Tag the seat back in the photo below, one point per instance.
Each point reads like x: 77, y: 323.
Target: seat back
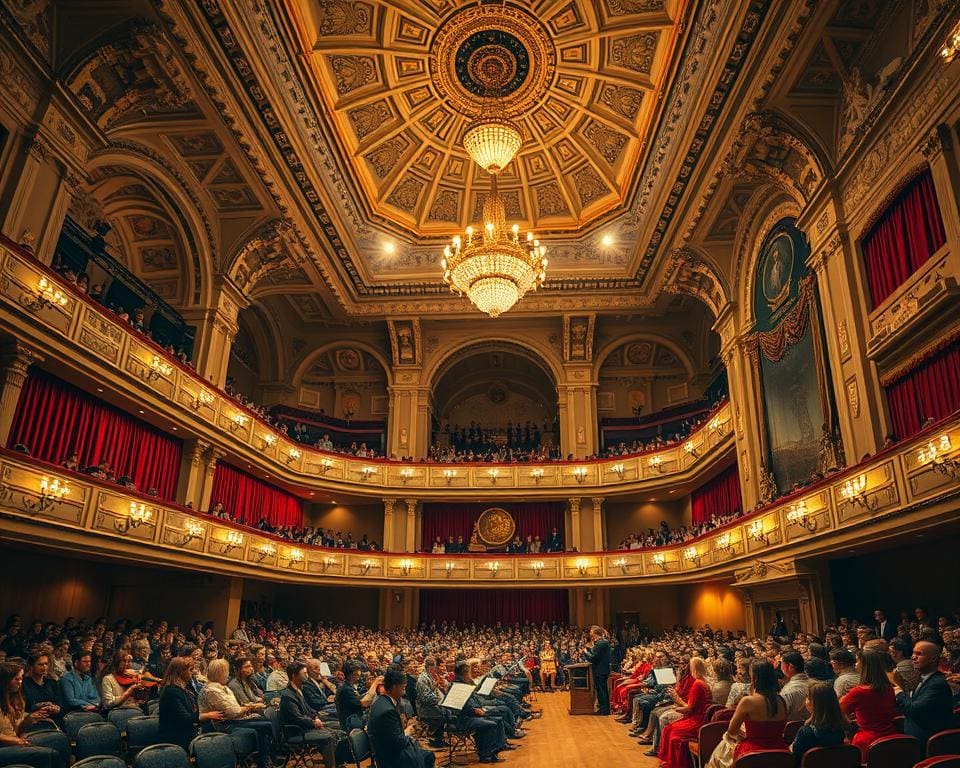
x: 723, y: 715
x: 940, y: 761
x: 121, y: 716
x: 153, y: 707
x: 162, y: 756
x: 74, y: 721
x: 213, y: 750
x: 142, y: 732
x: 101, y: 761
x: 898, y: 751
x: 766, y: 758
x: 708, y: 713
x: 839, y: 756
x: 98, y: 739
x: 898, y: 723
x: 711, y: 734
x: 359, y: 746
x: 55, y: 740
x: 944, y: 743
x: 791, y: 729
x: 273, y: 715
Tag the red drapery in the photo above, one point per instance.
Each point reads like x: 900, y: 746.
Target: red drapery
x: 720, y: 496
x: 533, y: 519
x: 908, y: 233
x: 247, y: 499
x: 54, y: 419
x: 488, y: 606
x: 931, y: 390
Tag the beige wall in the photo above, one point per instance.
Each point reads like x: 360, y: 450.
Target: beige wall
x: 717, y: 604
x: 359, y: 518
x: 624, y: 518
x: 341, y: 605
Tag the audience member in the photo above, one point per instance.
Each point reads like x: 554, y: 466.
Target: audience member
x: 871, y: 703
x: 824, y: 727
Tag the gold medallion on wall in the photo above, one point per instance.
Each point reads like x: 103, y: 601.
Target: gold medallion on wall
x: 496, y: 527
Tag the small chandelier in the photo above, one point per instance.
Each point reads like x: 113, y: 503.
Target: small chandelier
x: 492, y: 141
x: 494, y: 269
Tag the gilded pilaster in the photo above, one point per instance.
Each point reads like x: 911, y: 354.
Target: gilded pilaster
x: 192, y: 471
x: 574, y: 538
x: 15, y: 362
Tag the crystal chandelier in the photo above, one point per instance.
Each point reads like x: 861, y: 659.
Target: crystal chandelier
x: 494, y: 268
x: 492, y: 141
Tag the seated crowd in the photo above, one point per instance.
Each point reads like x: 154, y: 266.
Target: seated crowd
x: 308, y: 534
x: 858, y: 682
x: 322, y: 681
x: 665, y: 535
x: 532, y: 544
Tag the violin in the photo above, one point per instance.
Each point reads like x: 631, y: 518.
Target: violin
x: 132, y: 677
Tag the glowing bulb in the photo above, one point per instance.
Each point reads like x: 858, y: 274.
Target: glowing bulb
x: 515, y: 228
x: 607, y: 241
x: 389, y: 247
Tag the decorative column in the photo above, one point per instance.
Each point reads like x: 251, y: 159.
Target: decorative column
x: 387, y: 543
x: 598, y: 544
x: 410, y: 407
x: 411, y: 537
x: 573, y: 540
x: 190, y: 482
x: 216, y: 329
x: 206, y: 490
x: 941, y: 155
x: 15, y: 361
x: 578, y: 411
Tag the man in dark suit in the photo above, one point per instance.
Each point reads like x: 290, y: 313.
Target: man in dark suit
x: 488, y: 731
x: 351, y: 707
x: 598, y: 654
x: 884, y: 628
x: 929, y: 708
x: 294, y: 710
x: 393, y: 746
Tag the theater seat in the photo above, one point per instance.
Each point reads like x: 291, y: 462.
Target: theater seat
x: 839, y: 756
x: 898, y: 751
x: 944, y: 743
x: 940, y: 761
x: 766, y: 758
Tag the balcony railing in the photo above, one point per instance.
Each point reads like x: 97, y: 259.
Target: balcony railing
x: 58, y: 315
x: 904, y: 486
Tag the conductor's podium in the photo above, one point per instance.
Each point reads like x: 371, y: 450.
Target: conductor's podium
x: 581, y: 689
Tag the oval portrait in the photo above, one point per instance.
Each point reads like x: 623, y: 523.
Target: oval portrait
x: 777, y: 269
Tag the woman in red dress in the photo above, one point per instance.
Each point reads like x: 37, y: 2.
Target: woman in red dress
x: 872, y: 702
x: 763, y: 713
x: 677, y: 735
x: 632, y: 680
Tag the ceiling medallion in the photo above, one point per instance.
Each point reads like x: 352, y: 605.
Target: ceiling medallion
x: 492, y: 51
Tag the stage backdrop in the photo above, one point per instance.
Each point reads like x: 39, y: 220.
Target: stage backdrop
x: 534, y: 519
x: 488, y: 606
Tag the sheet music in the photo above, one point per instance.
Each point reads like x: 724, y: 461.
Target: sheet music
x: 487, y: 685
x: 665, y: 676
x: 457, y: 696
x: 324, y: 669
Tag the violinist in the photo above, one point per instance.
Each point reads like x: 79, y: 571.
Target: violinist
x: 432, y: 686
x: 350, y: 705
x: 123, y: 687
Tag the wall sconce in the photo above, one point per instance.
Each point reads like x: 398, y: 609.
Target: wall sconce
x: 691, y: 554
x: 157, y: 369
x: 580, y: 474
x: 690, y: 448
x: 717, y: 426
x: 264, y: 551
x: 51, y: 492
x: 269, y: 439
x: 292, y: 455
x: 724, y: 544
x: 952, y: 46
x: 537, y: 474
x: 137, y: 516
x: 854, y: 491
x: 202, y: 398
x: 47, y: 295
x: 660, y: 560
x: 367, y: 472
x: 448, y: 568
x: 797, y: 515
x: 365, y: 566
x: 449, y: 474
x: 327, y: 563
x: 621, y: 563
x: 618, y: 470
x: 657, y: 463
x: 582, y: 566
x: 406, y: 566
x: 238, y: 421
x: 325, y: 466
x: 935, y: 453
x: 756, y: 532
x: 192, y: 530
x: 494, y: 474
x: 296, y: 556
x: 405, y: 474
x: 494, y: 567
x: 537, y: 567
x: 233, y: 541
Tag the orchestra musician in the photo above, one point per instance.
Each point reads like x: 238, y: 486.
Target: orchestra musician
x: 432, y: 686
x: 123, y: 687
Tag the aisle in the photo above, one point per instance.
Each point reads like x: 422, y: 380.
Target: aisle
x: 558, y: 740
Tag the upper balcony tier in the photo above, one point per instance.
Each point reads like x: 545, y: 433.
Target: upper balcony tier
x: 39, y: 307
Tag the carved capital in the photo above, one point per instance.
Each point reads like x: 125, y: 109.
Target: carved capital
x: 411, y: 507
x: 200, y: 447
x: 388, y: 505
x: 934, y: 144
x: 38, y: 150
x: 574, y: 505
x: 15, y: 361
x: 597, y: 504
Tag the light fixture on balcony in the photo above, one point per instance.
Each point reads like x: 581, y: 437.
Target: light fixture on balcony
x: 618, y: 470
x: 448, y: 568
x: 952, y: 45
x: 854, y: 491
x: 192, y: 530
x: 537, y: 474
x: 292, y: 455
x: 449, y: 474
x: 202, y: 398
x: 157, y: 369
x: 239, y: 421
x: 657, y: 463
x: 494, y: 567
x: 264, y: 551
x: 405, y: 474
x: 296, y: 556
x: 690, y: 554
x: 580, y: 474
x: 690, y: 448
x: 724, y: 543
x: 717, y: 426
x: 797, y: 515
x: 47, y: 295
x: 537, y: 567
x: 367, y: 472
x: 756, y: 532
x: 583, y: 565
x: 660, y: 560
x: 327, y: 563
x: 494, y: 474
x: 935, y: 454
x: 269, y: 439
x: 51, y: 492
x: 365, y: 566
x: 325, y: 466
x: 137, y: 515
x: 621, y: 563
x: 406, y: 566
x: 234, y: 540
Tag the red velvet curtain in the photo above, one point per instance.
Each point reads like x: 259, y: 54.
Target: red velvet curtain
x: 488, y: 606
x: 931, y: 390
x: 720, y: 496
x: 54, y: 419
x: 908, y: 233
x: 533, y: 519
x: 247, y: 499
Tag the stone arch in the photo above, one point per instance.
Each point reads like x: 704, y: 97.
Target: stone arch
x: 314, y: 355
x: 691, y: 272
x: 612, y: 346
x: 444, y: 356
x: 270, y: 260
x: 264, y: 333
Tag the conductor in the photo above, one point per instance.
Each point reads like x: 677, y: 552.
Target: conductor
x: 598, y: 654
